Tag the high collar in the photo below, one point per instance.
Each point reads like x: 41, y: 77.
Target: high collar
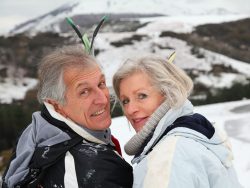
x: 155, y: 126
x: 101, y: 137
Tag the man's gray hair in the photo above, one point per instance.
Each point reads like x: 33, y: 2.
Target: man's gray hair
x: 52, y: 67
x: 167, y: 78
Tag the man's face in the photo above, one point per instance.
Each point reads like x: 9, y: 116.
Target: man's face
x: 87, y: 98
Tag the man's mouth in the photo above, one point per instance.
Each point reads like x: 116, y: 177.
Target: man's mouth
x: 98, y: 112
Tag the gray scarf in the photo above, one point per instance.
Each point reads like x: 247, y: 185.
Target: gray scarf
x: 135, y: 143
x: 156, y: 125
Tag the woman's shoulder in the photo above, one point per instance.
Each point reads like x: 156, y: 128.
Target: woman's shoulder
x: 181, y: 145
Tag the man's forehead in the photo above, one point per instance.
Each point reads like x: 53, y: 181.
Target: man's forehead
x: 90, y: 72
x: 83, y: 70
x: 83, y: 75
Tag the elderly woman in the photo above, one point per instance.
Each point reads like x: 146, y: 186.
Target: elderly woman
x: 173, y: 146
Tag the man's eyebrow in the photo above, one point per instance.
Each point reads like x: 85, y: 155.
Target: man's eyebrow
x: 102, y: 76
x: 81, y: 84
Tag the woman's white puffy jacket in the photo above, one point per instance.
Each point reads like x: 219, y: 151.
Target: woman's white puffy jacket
x: 192, y: 155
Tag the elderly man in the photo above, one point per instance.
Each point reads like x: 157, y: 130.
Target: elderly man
x: 68, y: 143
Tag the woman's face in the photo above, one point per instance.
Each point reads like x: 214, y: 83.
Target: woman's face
x: 139, y: 99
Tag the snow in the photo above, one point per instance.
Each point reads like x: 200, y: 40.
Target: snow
x: 183, y: 14
x: 185, y: 23
x: 224, y: 80
x: 176, y: 7
x: 43, y: 25
x: 15, y: 88
x: 232, y: 117
x: 112, y: 57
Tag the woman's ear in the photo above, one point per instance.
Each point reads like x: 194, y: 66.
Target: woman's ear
x: 57, y: 106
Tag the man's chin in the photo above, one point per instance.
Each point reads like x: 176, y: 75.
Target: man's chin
x: 104, y: 124
x: 108, y: 123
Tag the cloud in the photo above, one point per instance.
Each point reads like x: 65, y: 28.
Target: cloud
x: 9, y: 22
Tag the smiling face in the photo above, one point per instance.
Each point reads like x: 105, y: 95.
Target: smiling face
x: 139, y: 99
x: 87, y: 98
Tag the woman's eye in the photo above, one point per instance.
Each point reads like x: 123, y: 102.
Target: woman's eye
x: 142, y: 96
x: 125, y: 101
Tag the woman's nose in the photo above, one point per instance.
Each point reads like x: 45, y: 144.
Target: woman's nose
x: 131, y: 108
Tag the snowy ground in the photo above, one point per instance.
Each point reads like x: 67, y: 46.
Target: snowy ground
x: 233, y: 117
x: 15, y: 88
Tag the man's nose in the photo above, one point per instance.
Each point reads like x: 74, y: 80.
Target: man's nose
x: 101, y: 97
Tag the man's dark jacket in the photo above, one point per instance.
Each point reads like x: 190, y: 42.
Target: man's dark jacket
x: 49, y: 153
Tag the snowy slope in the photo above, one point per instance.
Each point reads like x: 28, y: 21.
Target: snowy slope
x: 183, y: 16
x: 15, y: 88
x: 111, y: 57
x: 233, y: 117
x: 50, y: 20
x: 177, y: 7
x: 184, y: 58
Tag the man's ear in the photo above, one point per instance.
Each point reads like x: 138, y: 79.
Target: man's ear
x: 57, y: 106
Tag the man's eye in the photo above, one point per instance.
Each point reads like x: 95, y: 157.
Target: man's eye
x: 125, y: 101
x: 142, y: 96
x: 102, y: 85
x: 84, y: 92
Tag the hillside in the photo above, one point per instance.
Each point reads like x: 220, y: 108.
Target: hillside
x: 20, y: 54
x: 230, y: 38
x: 52, y: 18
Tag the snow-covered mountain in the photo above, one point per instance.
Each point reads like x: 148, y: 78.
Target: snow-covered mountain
x: 52, y: 20
x: 110, y: 57
x: 180, y: 16
x: 152, y: 43
x: 148, y: 39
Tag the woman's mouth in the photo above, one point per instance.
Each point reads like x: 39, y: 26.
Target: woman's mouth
x: 139, y: 121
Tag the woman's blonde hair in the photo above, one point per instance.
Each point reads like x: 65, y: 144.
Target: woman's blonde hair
x: 172, y: 81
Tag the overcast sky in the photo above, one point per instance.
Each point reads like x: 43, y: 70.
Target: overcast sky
x: 14, y: 12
